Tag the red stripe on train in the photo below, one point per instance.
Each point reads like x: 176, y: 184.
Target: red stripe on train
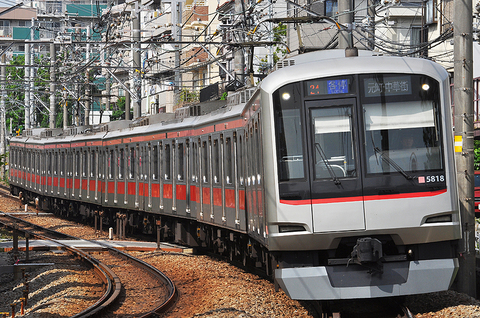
x: 366, y: 198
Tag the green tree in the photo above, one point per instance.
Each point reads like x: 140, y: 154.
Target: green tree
x: 15, y: 114
x: 477, y: 154
x: 119, y: 110
x: 279, y: 35
x: 16, y: 85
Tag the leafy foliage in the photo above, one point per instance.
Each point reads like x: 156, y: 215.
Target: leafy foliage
x: 3, y: 165
x: 119, y: 110
x: 279, y: 34
x: 16, y: 86
x: 477, y: 155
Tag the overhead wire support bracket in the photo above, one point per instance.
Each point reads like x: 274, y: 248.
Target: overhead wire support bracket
x: 75, y: 96
x: 134, y: 95
x: 41, y: 102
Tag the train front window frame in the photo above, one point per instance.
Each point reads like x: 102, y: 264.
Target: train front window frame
x: 333, y: 142
x: 401, y: 134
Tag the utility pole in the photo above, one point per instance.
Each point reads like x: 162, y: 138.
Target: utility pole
x: 3, y: 122
x: 345, y: 17
x: 239, y: 57
x: 464, y: 152
x: 65, y: 107
x: 127, y: 102
x: 87, y: 80
x: 137, y: 62
x: 176, y: 7
x: 33, y: 116
x: 371, y: 24
x: 52, y: 85
x: 108, y: 84
x: 27, y: 85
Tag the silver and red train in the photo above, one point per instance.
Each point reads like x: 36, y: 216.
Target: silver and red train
x: 336, y: 175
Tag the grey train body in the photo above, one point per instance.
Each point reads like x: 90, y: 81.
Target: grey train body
x: 336, y: 175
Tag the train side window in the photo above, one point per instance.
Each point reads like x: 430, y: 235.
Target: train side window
x: 62, y: 164
x: 77, y: 163
x: 131, y: 163
x: 194, y: 158
x: 240, y: 160
x: 205, y: 165
x: 168, y: 163
x: 121, y: 163
x: 33, y: 163
x: 93, y: 157
x: 111, y: 161
x: 55, y: 164
x: 160, y: 160
x: 257, y: 153
x: 180, y: 165
x: 49, y: 163
x: 216, y: 161
x: 69, y: 164
x: 155, y: 163
x: 100, y: 164
x: 228, y: 160
x: 144, y: 162
x: 85, y: 164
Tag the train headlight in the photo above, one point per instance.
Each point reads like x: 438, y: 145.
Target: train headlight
x: 410, y: 254
x: 286, y: 96
x: 425, y: 87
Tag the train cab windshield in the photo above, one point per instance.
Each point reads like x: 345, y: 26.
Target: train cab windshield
x: 341, y: 136
x: 401, y: 124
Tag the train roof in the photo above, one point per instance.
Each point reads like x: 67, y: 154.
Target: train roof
x: 186, y: 123
x: 334, y: 63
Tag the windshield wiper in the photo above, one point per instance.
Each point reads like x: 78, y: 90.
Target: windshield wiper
x: 327, y: 164
x: 392, y: 163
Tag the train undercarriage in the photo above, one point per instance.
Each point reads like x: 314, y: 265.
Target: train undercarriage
x: 236, y: 247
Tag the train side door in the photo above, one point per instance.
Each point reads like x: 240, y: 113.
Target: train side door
x: 336, y: 185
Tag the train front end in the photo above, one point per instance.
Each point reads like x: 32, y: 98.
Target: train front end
x: 361, y: 197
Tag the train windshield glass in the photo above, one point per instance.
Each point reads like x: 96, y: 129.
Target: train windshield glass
x: 401, y: 128
x: 334, y: 157
x: 288, y: 125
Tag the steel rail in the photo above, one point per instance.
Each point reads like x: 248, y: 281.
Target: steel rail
x: 109, y: 277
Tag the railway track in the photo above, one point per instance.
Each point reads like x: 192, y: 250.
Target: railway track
x: 132, y: 287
